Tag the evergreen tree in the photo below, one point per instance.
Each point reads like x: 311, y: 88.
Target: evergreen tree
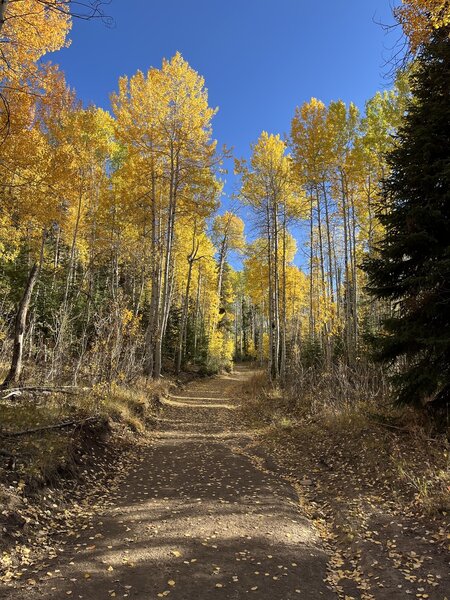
x: 412, y: 267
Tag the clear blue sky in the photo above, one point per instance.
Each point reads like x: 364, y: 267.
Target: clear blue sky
x: 260, y: 58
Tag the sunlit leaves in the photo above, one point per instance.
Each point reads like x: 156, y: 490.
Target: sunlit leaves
x: 419, y: 18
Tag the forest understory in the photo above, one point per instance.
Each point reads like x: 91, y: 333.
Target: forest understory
x: 375, y: 481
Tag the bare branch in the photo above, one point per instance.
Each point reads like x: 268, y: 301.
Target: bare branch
x: 64, y: 425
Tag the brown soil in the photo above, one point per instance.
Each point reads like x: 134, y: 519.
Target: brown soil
x: 387, y: 540
x: 194, y: 518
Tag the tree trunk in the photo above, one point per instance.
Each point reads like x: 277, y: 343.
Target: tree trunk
x: 284, y: 302
x: 184, y: 315
x: 329, y: 244
x: 311, y: 268
x: 197, y: 314
x: 276, y: 298
x: 222, y: 259
x: 156, y: 270
x: 21, y: 321
x: 166, y: 287
x: 347, y: 283
x: 270, y: 305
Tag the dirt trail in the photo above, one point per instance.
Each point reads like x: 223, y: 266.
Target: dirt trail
x: 194, y: 520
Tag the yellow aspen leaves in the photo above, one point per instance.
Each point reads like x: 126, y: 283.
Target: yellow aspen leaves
x: 419, y: 18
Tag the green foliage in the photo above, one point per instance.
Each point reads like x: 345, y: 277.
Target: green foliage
x: 312, y: 354
x: 412, y: 269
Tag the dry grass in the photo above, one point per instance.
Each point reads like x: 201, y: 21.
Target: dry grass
x: 42, y: 457
x: 355, y: 426
x: 374, y: 479
x: 39, y: 457
x: 135, y: 407
x: 263, y: 403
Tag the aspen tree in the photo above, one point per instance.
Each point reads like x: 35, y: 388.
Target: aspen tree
x: 164, y: 118
x: 267, y: 187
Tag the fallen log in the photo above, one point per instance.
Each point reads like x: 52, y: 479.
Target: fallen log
x: 43, y: 389
x: 63, y: 425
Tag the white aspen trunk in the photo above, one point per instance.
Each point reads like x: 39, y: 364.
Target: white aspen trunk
x: 311, y: 270
x: 156, y: 270
x: 261, y: 336
x: 270, y: 305
x: 325, y: 328
x: 276, y: 299
x: 354, y: 276
x: 284, y: 328
x: 329, y: 246
x: 197, y: 314
x: 165, y: 300
x: 20, y: 325
x: 347, y: 285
